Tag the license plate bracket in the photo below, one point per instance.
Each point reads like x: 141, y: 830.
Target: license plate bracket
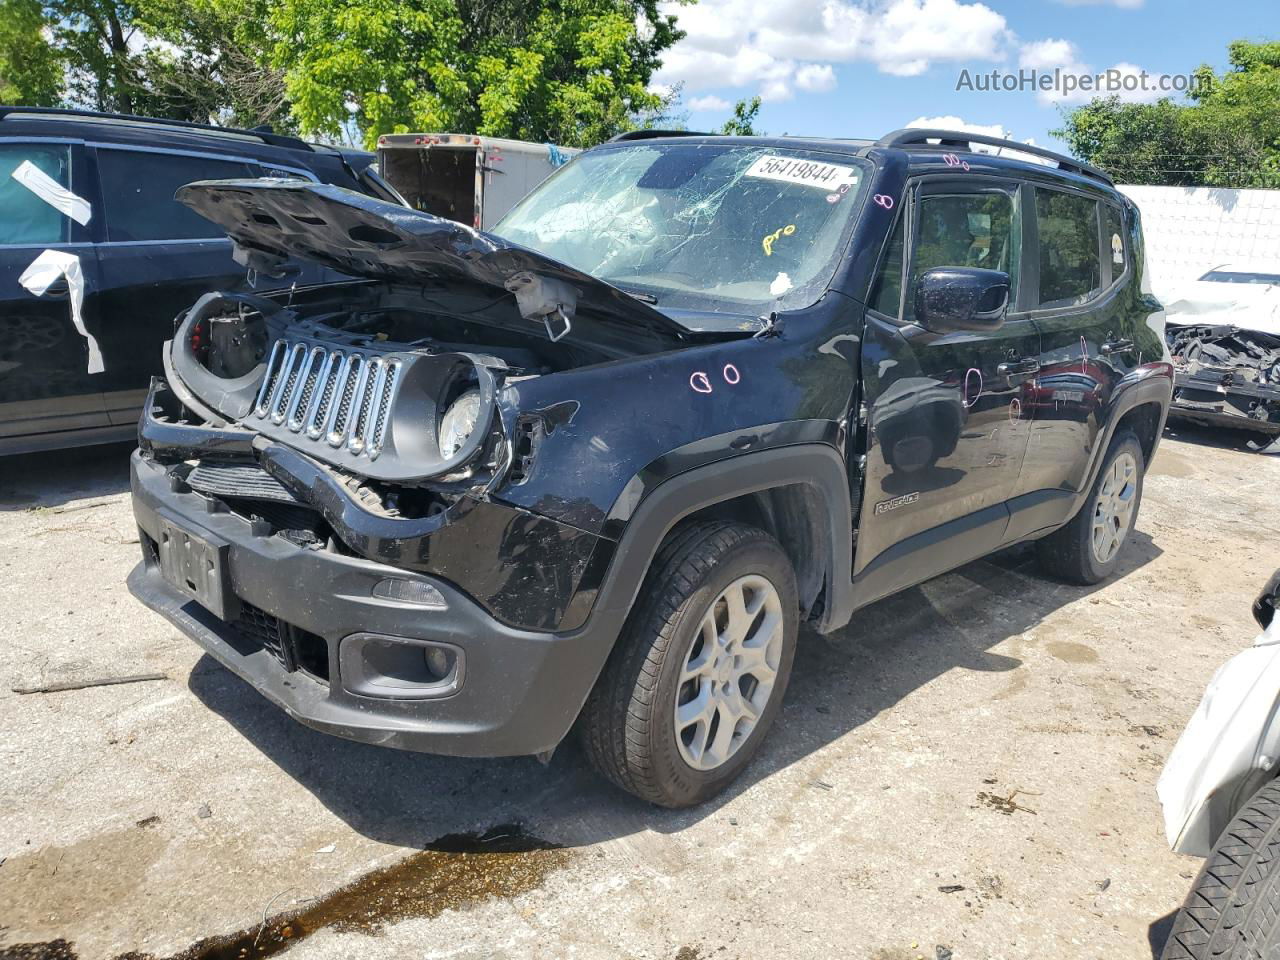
x: 197, y: 565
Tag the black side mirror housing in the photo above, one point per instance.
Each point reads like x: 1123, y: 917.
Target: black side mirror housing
x: 1264, y: 608
x: 949, y: 299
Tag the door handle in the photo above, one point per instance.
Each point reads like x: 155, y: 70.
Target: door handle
x: 1116, y: 346
x: 1016, y: 367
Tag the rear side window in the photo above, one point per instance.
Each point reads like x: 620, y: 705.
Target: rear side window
x: 138, y: 188
x: 24, y: 217
x: 1070, y: 270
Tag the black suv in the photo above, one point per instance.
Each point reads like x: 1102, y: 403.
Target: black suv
x: 96, y: 191
x: 597, y: 466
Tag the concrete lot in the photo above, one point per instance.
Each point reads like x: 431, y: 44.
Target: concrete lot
x: 970, y: 764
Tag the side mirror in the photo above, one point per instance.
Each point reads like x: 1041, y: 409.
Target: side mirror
x: 962, y: 298
x: 1264, y: 608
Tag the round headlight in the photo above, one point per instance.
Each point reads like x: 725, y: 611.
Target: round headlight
x: 458, y: 423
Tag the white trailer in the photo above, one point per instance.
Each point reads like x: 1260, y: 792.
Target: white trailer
x: 463, y: 177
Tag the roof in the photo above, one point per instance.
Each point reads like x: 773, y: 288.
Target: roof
x: 921, y: 145
x: 156, y: 131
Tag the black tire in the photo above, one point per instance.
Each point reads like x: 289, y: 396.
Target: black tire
x: 628, y: 725
x: 1233, y: 909
x: 1068, y: 553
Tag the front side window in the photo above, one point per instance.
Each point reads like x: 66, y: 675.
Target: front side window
x: 25, y: 218
x: 951, y: 230
x: 1070, y: 271
x: 697, y: 226
x: 138, y: 189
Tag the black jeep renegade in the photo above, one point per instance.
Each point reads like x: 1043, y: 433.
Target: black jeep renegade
x: 597, y: 466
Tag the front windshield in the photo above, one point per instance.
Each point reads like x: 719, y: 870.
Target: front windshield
x: 733, y: 229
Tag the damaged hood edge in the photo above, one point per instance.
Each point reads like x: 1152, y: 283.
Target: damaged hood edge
x: 272, y: 221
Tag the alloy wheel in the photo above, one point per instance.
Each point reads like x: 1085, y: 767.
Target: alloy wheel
x: 729, y: 673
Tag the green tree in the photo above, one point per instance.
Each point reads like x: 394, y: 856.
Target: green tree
x: 742, y: 123
x: 1227, y: 135
x: 570, y: 71
x: 30, y: 71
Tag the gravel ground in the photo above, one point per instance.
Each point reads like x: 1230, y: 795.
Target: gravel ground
x: 969, y: 765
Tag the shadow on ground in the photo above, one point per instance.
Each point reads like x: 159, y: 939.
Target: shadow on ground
x: 37, y: 480
x: 1158, y: 933
x: 1223, y: 438
x: 839, y: 682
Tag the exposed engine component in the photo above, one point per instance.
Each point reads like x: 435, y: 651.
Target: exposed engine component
x: 1248, y: 356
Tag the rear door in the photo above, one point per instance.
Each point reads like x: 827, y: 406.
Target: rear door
x: 45, y: 383
x: 947, y: 431
x: 1078, y: 262
x: 157, y: 257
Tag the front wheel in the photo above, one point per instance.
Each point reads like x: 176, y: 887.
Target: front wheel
x: 1087, y: 549
x: 697, y: 676
x: 1233, y: 909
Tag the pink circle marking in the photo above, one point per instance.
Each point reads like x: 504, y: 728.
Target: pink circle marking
x: 968, y: 376
x: 884, y: 200
x: 700, y: 382
x: 725, y: 373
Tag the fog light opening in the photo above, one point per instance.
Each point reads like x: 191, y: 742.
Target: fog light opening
x: 410, y: 591
x: 440, y: 662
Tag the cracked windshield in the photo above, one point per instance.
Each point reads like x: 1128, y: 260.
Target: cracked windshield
x: 696, y: 226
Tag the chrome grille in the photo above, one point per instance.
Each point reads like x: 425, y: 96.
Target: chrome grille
x: 343, y: 396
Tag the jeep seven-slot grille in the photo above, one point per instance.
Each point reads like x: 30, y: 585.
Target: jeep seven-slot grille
x: 341, y: 396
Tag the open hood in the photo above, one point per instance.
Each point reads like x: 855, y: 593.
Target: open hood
x: 1247, y: 306
x: 272, y: 221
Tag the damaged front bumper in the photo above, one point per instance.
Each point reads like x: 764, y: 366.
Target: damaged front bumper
x: 1227, y: 377
x: 340, y: 629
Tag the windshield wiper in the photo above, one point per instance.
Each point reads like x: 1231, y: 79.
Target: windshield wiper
x: 637, y: 295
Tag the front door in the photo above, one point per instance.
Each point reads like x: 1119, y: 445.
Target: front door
x: 45, y: 381
x: 946, y: 425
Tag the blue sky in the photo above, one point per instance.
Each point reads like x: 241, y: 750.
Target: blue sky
x: 860, y: 68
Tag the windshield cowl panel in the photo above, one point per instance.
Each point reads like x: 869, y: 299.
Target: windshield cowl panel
x: 705, y: 228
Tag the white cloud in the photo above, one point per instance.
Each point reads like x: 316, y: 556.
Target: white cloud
x: 1049, y: 55
x: 776, y: 46
x: 816, y: 77
x: 709, y: 103
x: 962, y: 126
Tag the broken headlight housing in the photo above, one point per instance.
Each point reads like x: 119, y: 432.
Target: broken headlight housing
x: 458, y: 423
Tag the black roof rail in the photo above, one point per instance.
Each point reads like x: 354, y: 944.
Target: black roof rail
x: 258, y: 133
x: 957, y: 139
x: 651, y: 134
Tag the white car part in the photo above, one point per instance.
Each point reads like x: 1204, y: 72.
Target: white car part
x: 1230, y: 747
x: 1243, y: 305
x: 43, y: 272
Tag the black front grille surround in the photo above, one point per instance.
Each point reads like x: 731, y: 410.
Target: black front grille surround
x: 329, y: 393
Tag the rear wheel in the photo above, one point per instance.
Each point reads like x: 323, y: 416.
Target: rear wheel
x: 1233, y: 909
x: 695, y: 680
x: 1087, y: 549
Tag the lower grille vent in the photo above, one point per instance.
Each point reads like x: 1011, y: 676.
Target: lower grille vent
x: 295, y: 649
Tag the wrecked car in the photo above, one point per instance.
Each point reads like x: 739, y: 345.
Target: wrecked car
x: 96, y: 258
x: 593, y: 469
x: 1224, y: 338
x: 1221, y: 801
